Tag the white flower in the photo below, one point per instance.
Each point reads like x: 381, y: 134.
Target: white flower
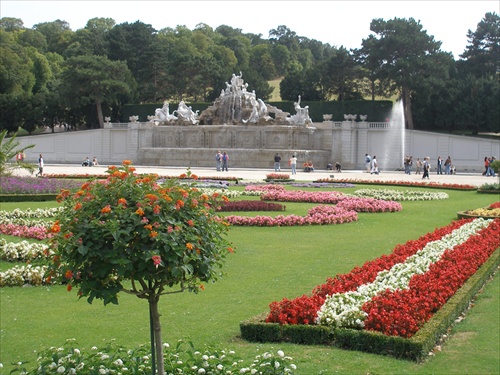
x: 94, y: 348
x: 76, y: 351
x: 104, y: 357
x: 118, y: 362
x: 166, y: 345
x: 201, y: 371
x: 61, y: 369
x: 204, y: 357
x: 219, y: 366
x: 281, y: 353
x: 276, y: 364
x: 293, y: 367
x: 103, y: 371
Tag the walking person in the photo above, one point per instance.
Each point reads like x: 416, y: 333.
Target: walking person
x: 218, y: 160
x: 368, y: 160
x: 426, y: 168
x: 419, y: 166
x: 277, y: 165
x: 40, y: 166
x: 293, y: 163
x: 225, y: 158
x: 486, y: 165
x: 374, y: 165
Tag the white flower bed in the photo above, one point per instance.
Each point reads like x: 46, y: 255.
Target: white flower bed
x: 400, y: 195
x: 23, y: 251
x: 21, y: 275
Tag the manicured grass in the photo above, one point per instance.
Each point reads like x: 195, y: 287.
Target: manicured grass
x: 269, y: 264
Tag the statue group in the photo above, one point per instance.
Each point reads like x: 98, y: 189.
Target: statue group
x: 234, y: 106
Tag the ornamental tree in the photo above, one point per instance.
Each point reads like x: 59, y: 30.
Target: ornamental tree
x: 136, y: 234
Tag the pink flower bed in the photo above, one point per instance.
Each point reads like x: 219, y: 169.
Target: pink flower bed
x: 320, y: 215
x: 401, y: 312
x: 402, y: 183
x: 37, y: 232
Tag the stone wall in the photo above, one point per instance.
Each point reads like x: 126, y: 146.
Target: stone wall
x: 254, y: 146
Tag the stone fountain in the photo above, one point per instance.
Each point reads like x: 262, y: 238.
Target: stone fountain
x: 234, y: 106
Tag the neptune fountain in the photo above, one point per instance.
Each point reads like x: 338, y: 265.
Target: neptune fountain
x: 234, y: 106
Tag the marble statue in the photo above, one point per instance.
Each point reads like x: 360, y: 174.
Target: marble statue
x: 186, y: 113
x: 163, y: 115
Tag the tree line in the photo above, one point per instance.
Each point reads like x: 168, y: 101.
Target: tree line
x: 52, y: 75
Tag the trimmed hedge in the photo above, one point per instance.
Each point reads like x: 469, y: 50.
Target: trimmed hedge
x: 415, y: 348
x: 27, y: 197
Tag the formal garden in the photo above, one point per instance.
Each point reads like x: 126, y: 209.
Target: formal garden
x: 315, y: 278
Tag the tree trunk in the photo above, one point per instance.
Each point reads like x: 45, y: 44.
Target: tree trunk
x: 160, y: 366
x: 99, y: 113
x: 407, y: 108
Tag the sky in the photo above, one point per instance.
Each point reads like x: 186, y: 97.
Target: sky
x: 337, y: 22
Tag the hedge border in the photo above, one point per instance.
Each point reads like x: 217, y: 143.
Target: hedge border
x: 415, y: 348
x: 27, y: 197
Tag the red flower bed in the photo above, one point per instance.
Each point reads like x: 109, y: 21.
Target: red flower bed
x: 403, y: 312
x: 402, y: 183
x: 250, y: 206
x: 303, y: 310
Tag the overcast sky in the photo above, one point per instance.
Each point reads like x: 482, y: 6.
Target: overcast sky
x: 339, y: 23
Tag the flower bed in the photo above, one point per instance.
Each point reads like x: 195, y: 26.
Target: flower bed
x: 250, y: 206
x: 31, y: 185
x: 492, y: 211
x: 397, y: 195
x: 23, y: 251
x: 428, y: 184
x: 36, y: 232
x: 431, y: 268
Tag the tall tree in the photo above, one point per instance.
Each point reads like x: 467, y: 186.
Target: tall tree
x: 58, y: 34
x: 97, y: 80
x: 482, y: 55
x: 405, y: 55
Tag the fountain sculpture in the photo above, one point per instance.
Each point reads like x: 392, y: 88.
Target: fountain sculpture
x: 235, y: 106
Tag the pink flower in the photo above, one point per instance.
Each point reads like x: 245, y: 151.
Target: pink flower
x: 156, y: 260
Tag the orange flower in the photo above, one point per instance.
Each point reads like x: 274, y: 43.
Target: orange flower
x: 106, y: 209
x: 194, y: 203
x: 189, y: 246
x: 179, y: 204
x: 190, y: 223
x: 68, y: 274
x: 148, y: 227
x: 56, y: 228
x: 123, y: 202
x: 126, y: 162
x: 225, y: 199
x: 194, y: 177
x: 69, y: 287
x: 153, y: 234
x: 78, y: 206
x: 230, y: 249
x: 183, y: 175
x: 139, y: 211
x: 85, y: 186
x: 152, y: 198
x: 132, y: 169
x: 202, y: 287
x: 68, y: 235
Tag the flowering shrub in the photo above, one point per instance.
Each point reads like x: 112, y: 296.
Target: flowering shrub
x: 32, y: 185
x: 180, y: 359
x: 396, y: 195
x: 131, y: 228
x: 22, y: 251
x: 277, y: 176
x: 343, y: 297
x: 250, y: 206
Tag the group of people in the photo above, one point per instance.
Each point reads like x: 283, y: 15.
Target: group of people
x: 221, y: 161
x: 88, y: 163
x: 424, y: 166
x: 371, y: 164
x: 488, y: 171
x: 292, y: 163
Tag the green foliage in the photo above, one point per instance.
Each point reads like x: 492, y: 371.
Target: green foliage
x: 8, y: 151
x: 130, y: 228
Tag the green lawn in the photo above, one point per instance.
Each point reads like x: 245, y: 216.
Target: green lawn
x: 268, y: 265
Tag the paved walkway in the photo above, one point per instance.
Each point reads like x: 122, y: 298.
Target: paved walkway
x: 475, y: 179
